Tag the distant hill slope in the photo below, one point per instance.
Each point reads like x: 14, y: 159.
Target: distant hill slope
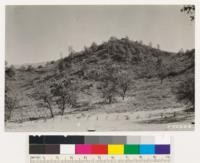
x: 88, y: 68
x: 140, y: 60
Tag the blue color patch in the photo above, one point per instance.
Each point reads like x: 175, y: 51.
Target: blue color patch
x: 147, y: 149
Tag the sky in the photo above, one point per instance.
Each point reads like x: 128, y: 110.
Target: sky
x: 37, y: 34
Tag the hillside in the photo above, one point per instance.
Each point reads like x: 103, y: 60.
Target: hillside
x: 118, y: 78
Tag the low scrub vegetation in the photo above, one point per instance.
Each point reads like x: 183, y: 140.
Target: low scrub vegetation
x: 10, y: 71
x: 184, y: 91
x: 11, y: 102
x: 108, y: 72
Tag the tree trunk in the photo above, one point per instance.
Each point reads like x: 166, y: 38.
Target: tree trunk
x: 63, y: 105
x: 124, y: 92
x: 63, y: 110
x: 62, y: 113
x: 109, y: 99
x: 9, y: 114
x: 50, y: 108
x: 161, y: 81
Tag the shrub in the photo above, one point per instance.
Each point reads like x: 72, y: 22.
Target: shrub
x: 184, y: 91
x: 108, y: 84
x: 40, y: 66
x: 11, y: 102
x: 113, y: 39
x: 94, y: 47
x: 43, y: 95
x: 161, y: 69
x: 124, y: 82
x: 64, y: 92
x: 10, y: 71
x: 30, y: 68
x: 22, y: 68
x: 108, y: 90
x: 61, y: 66
x: 87, y: 51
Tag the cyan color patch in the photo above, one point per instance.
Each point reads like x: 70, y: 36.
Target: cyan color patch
x: 147, y: 149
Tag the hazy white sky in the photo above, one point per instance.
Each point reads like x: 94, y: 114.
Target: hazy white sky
x: 39, y: 33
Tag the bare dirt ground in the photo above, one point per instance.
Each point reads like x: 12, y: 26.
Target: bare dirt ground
x: 129, y: 121
x: 125, y: 115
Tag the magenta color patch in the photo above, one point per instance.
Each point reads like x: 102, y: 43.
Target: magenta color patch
x: 83, y: 149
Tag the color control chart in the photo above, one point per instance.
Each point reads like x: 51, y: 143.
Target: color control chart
x: 99, y: 149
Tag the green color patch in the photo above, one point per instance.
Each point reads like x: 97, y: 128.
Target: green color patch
x: 131, y: 149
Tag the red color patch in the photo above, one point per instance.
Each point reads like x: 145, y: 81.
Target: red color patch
x: 99, y: 149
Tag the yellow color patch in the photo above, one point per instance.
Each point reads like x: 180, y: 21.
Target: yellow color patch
x: 115, y: 149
